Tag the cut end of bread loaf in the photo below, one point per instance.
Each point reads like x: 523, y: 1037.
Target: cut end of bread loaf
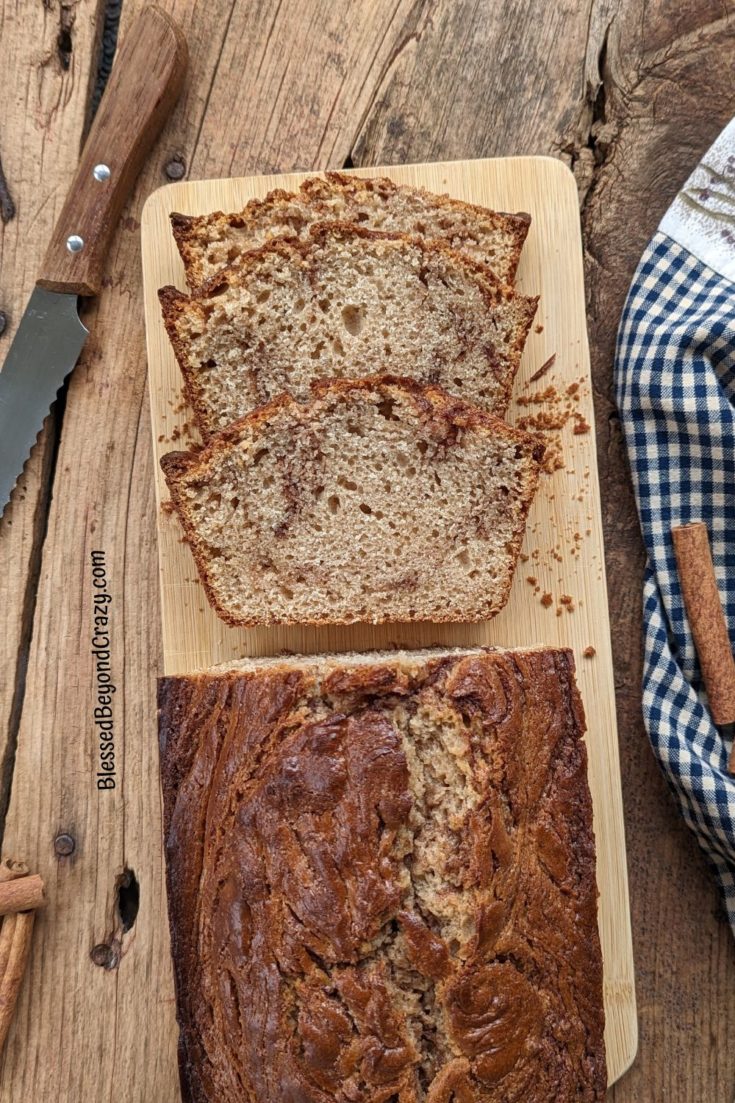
x: 345, y: 302
x: 210, y: 242
x: 381, y: 880
x: 380, y: 500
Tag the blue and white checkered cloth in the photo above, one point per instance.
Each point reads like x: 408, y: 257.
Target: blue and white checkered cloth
x: 675, y: 383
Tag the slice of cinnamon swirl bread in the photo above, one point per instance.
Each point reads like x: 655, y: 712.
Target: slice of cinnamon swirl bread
x: 210, y: 242
x: 379, y: 500
x: 349, y: 303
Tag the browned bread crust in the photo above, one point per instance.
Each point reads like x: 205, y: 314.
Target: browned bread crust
x: 209, y: 242
x: 187, y: 317
x: 435, y: 417
x: 381, y: 880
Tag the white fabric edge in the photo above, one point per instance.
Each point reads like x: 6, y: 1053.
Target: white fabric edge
x: 702, y: 217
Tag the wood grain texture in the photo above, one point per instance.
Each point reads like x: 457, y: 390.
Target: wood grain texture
x: 41, y: 121
x: 293, y: 81
x: 471, y: 79
x: 567, y: 504
x: 144, y: 85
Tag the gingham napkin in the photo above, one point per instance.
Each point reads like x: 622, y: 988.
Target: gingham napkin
x: 675, y: 381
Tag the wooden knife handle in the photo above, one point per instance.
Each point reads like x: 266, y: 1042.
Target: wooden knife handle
x: 706, y: 618
x: 146, y: 79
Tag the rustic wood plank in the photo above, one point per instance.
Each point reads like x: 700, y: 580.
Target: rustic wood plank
x: 632, y: 133
x: 472, y: 78
x: 311, y: 72
x: 41, y: 122
x: 95, y: 1020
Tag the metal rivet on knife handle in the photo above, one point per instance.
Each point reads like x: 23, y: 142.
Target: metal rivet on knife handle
x: 75, y: 243
x: 101, y: 173
x: 707, y: 621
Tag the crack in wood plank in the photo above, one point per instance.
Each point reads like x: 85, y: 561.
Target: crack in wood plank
x: 417, y: 22
x: 107, y: 49
x: 7, y: 206
x: 212, y: 82
x: 64, y: 38
x: 27, y: 604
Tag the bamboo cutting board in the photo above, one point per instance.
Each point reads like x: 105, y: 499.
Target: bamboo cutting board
x: 559, y: 594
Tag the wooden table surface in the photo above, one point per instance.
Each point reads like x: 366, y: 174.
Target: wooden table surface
x: 629, y: 93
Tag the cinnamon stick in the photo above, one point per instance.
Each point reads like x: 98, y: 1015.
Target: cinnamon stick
x: 10, y: 869
x: 707, y: 620
x: 15, y: 945
x: 21, y: 894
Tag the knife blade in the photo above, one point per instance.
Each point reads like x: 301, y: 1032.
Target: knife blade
x: 145, y: 82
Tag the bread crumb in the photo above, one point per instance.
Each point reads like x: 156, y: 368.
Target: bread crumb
x: 161, y: 438
x: 539, y: 328
x: 559, y: 407
x: 553, y: 457
x: 523, y: 557
x: 531, y: 580
x: 547, y: 600
x: 543, y: 421
x: 167, y: 507
x: 538, y: 398
x: 589, y: 652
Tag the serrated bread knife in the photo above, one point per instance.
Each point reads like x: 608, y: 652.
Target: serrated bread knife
x: 146, y: 79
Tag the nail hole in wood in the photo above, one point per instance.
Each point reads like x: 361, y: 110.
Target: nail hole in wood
x: 128, y: 899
